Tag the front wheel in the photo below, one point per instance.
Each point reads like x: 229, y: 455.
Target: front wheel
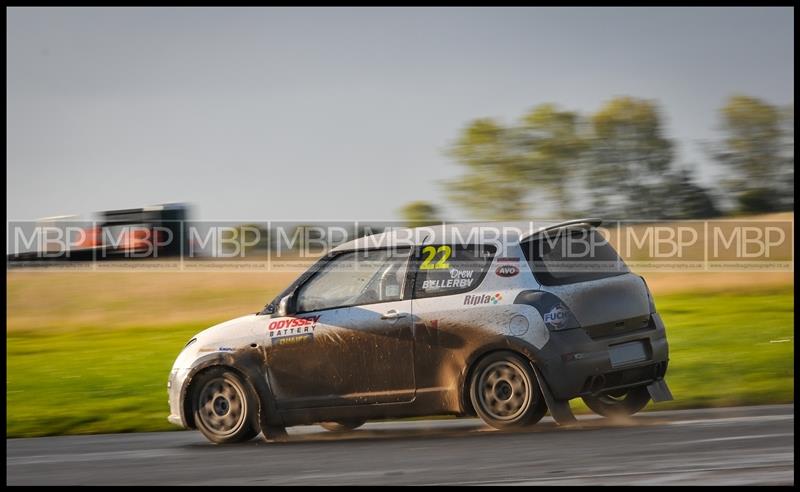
x: 225, y: 408
x: 504, y: 391
x: 619, y: 403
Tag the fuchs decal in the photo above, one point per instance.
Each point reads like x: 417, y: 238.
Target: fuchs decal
x: 292, y: 331
x: 557, y: 316
x: 475, y: 300
x: 506, y: 271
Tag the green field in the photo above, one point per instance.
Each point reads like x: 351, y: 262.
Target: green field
x: 727, y: 348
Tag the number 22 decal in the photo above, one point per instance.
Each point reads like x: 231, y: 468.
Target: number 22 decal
x: 432, y: 251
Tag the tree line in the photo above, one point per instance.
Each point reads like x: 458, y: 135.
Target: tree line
x: 617, y: 163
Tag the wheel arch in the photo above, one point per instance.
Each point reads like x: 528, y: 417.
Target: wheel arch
x: 251, y: 373
x: 514, y: 346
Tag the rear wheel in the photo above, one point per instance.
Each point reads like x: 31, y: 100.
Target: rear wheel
x: 619, y: 403
x: 504, y: 391
x: 342, y: 425
x: 225, y: 408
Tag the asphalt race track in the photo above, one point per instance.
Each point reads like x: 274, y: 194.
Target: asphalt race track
x: 747, y: 445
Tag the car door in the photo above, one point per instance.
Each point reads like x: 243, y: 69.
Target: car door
x: 446, y: 324
x: 350, y: 341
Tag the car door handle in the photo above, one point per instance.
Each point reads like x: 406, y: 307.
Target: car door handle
x: 392, y: 314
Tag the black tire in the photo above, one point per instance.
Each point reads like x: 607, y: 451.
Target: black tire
x: 504, y: 391
x: 342, y: 425
x: 225, y: 406
x: 619, y: 403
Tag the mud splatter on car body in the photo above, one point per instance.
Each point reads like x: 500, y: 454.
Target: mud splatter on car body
x: 431, y: 315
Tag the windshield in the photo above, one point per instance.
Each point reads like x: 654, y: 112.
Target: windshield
x: 273, y: 304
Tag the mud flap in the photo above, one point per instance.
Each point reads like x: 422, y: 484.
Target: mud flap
x: 559, y: 409
x: 659, y: 391
x: 274, y: 434
x: 270, y: 431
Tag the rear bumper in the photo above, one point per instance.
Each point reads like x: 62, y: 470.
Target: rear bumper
x: 575, y: 364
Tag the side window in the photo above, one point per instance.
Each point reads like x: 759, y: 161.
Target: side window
x: 444, y: 270
x: 355, y: 278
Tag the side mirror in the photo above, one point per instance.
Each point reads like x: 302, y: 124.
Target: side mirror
x: 283, y: 306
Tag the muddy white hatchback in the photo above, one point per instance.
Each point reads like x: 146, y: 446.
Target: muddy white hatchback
x: 399, y: 325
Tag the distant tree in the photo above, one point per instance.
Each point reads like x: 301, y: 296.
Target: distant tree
x: 420, y: 213
x: 493, y: 185
x: 757, y: 201
x: 680, y: 198
x: 629, y: 156
x: 622, y: 161
x: 551, y: 147
x: 757, y: 150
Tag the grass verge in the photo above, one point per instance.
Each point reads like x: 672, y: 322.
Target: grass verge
x: 727, y: 348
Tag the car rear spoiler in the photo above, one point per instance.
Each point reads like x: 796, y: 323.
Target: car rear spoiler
x: 590, y: 223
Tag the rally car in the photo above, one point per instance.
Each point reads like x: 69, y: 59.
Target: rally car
x: 432, y: 321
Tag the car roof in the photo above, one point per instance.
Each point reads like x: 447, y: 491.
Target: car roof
x: 511, y: 232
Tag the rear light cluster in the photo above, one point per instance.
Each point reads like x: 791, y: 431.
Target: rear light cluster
x: 649, y: 296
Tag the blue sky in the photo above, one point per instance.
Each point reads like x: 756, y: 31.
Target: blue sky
x: 341, y: 114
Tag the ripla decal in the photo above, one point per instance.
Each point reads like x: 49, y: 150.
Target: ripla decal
x: 483, y: 299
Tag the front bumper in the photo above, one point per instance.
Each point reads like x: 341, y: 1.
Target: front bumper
x: 175, y: 383
x: 575, y: 364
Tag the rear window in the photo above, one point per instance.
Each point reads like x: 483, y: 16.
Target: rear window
x: 567, y: 256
